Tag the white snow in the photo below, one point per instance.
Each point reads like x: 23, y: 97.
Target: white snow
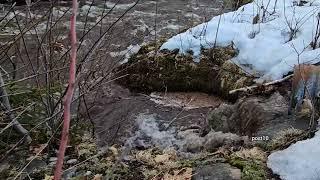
x: 119, y: 6
x: 131, y: 50
x: 301, y: 161
x: 264, y: 46
x: 150, y: 134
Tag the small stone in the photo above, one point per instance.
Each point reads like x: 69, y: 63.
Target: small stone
x: 69, y: 173
x: 51, y: 164
x: 4, y: 167
x: 218, y: 171
x: 218, y: 139
x: 88, y: 173
x: 72, y: 161
x: 192, y: 140
x: 53, y: 159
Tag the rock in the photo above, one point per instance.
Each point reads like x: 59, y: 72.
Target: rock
x: 218, y: 139
x: 88, y: 173
x: 255, y: 116
x: 218, y: 118
x: 192, y: 141
x: 218, y: 171
x: 51, y: 164
x: 36, y: 165
x: 72, y: 161
x: 51, y: 159
x: 69, y: 173
x: 4, y: 168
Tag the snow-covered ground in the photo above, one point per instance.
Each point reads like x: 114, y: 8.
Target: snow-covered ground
x: 271, y: 36
x: 301, y: 161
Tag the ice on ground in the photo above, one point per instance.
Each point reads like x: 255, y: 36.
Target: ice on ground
x: 271, y: 36
x: 150, y: 133
x: 301, y: 161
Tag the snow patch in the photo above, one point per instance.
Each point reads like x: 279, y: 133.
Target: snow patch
x: 174, y: 27
x: 299, y: 161
x: 131, y: 50
x: 91, y: 11
x: 267, y: 45
x: 119, y: 6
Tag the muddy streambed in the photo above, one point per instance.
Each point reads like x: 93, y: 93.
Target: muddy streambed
x: 114, y: 108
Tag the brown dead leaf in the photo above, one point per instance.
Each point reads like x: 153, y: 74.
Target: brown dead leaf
x: 145, y: 156
x: 37, y: 148
x: 97, y: 177
x: 114, y: 151
x: 47, y: 177
x: 182, y: 174
x: 162, y: 158
x: 253, y: 153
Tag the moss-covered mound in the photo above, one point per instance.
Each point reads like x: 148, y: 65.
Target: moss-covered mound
x: 252, y: 163
x: 166, y: 70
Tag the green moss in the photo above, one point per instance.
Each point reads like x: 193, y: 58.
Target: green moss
x: 285, y: 138
x: 217, y: 119
x: 250, y: 169
x: 24, y: 95
x: 167, y: 73
x: 232, y: 77
x: 21, y: 97
x: 171, y: 71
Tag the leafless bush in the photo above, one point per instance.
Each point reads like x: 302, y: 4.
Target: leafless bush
x: 34, y: 61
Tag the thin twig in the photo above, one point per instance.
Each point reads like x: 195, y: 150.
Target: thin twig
x: 250, y: 88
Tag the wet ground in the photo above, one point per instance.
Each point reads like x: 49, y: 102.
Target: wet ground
x: 115, y: 112
x: 115, y: 109
x: 149, y: 19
